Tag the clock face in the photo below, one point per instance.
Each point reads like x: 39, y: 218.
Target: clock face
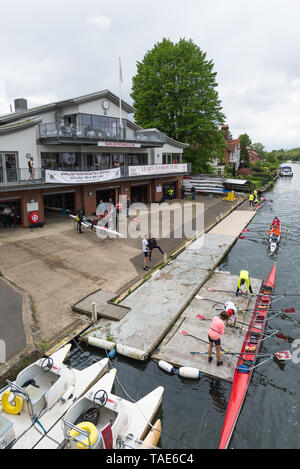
x: 105, y: 104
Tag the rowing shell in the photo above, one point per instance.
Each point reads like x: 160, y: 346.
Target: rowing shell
x: 241, y: 380
x: 101, y: 228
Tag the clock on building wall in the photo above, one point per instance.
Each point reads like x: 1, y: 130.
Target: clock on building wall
x: 105, y: 104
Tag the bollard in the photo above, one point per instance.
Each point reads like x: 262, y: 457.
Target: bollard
x: 94, y: 312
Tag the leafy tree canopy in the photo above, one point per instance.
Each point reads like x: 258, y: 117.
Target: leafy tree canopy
x: 245, y: 142
x: 175, y: 90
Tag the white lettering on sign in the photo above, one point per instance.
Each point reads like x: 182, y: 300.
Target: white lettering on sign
x: 157, y: 169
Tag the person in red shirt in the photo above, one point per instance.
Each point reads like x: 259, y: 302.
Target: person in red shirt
x: 217, y: 329
x: 276, y: 221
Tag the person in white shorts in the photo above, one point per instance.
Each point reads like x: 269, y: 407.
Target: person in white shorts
x: 145, y: 248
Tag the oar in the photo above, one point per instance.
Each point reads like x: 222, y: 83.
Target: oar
x: 224, y: 351
x: 227, y: 352
x: 197, y: 338
x: 253, y: 295
x: 207, y: 299
x: 286, y: 310
x: 276, y: 333
x: 228, y: 291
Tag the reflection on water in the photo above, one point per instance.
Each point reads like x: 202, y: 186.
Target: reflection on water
x: 192, y: 411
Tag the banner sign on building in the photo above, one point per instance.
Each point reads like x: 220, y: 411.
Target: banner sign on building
x: 81, y: 177
x: 157, y: 169
x: 119, y: 144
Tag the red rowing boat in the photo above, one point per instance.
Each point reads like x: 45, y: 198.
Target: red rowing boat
x: 243, y: 371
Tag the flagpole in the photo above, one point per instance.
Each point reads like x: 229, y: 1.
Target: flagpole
x: 120, y: 93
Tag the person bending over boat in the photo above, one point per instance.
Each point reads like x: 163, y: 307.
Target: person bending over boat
x: 231, y: 310
x: 244, y: 283
x: 217, y: 329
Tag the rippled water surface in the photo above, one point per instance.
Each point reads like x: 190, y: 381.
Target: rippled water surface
x: 193, y: 412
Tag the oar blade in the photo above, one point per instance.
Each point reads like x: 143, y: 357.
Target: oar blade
x: 289, y: 311
x: 184, y: 332
x: 211, y: 289
x: 285, y: 355
x: 199, y: 316
x: 281, y: 336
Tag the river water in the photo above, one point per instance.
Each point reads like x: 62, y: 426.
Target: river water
x: 193, y: 411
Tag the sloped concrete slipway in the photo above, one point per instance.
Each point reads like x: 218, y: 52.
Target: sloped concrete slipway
x: 158, y: 303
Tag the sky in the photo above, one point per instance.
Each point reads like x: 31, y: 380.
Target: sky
x: 67, y: 48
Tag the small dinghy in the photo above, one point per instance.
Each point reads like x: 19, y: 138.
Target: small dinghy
x: 101, y: 419
x: 40, y: 396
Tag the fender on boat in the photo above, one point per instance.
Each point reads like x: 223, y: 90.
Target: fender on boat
x: 8, y: 407
x: 153, y: 436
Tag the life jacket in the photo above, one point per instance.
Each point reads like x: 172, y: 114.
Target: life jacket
x: 244, y: 275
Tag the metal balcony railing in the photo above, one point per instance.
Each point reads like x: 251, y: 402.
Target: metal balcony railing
x: 80, y: 133
x: 22, y: 177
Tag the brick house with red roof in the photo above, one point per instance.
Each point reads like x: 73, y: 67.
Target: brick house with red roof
x: 232, y: 150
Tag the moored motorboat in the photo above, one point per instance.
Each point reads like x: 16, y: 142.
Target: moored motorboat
x: 40, y: 396
x: 102, y: 420
x: 249, y: 351
x: 286, y: 170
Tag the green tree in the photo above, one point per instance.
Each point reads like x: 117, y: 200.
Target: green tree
x: 245, y: 142
x: 175, y: 90
x: 259, y: 148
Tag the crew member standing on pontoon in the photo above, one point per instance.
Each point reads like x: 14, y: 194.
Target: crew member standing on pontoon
x: 244, y: 283
x: 231, y: 310
x: 215, y: 332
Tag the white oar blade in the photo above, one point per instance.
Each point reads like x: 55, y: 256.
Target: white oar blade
x: 199, y: 297
x: 285, y: 355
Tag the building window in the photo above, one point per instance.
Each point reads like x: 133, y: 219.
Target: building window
x: 66, y: 160
x: 8, y: 167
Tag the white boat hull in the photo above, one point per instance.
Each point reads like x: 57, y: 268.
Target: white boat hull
x: 45, y: 398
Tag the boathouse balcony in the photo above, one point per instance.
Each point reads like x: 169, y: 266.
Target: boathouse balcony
x: 20, y: 177
x: 60, y: 133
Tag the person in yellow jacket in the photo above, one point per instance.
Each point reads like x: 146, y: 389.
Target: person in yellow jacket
x: 170, y: 193
x: 244, y: 283
x: 251, y: 200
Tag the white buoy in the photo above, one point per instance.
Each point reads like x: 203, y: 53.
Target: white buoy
x: 101, y: 343
x: 187, y: 372
x: 166, y: 366
x: 131, y: 352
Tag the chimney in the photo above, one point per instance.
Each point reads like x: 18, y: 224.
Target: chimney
x: 225, y: 130
x: 20, y: 105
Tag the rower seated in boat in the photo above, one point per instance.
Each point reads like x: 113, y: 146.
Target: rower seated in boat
x: 231, y: 310
x: 275, y: 231
x: 276, y: 222
x: 244, y: 283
